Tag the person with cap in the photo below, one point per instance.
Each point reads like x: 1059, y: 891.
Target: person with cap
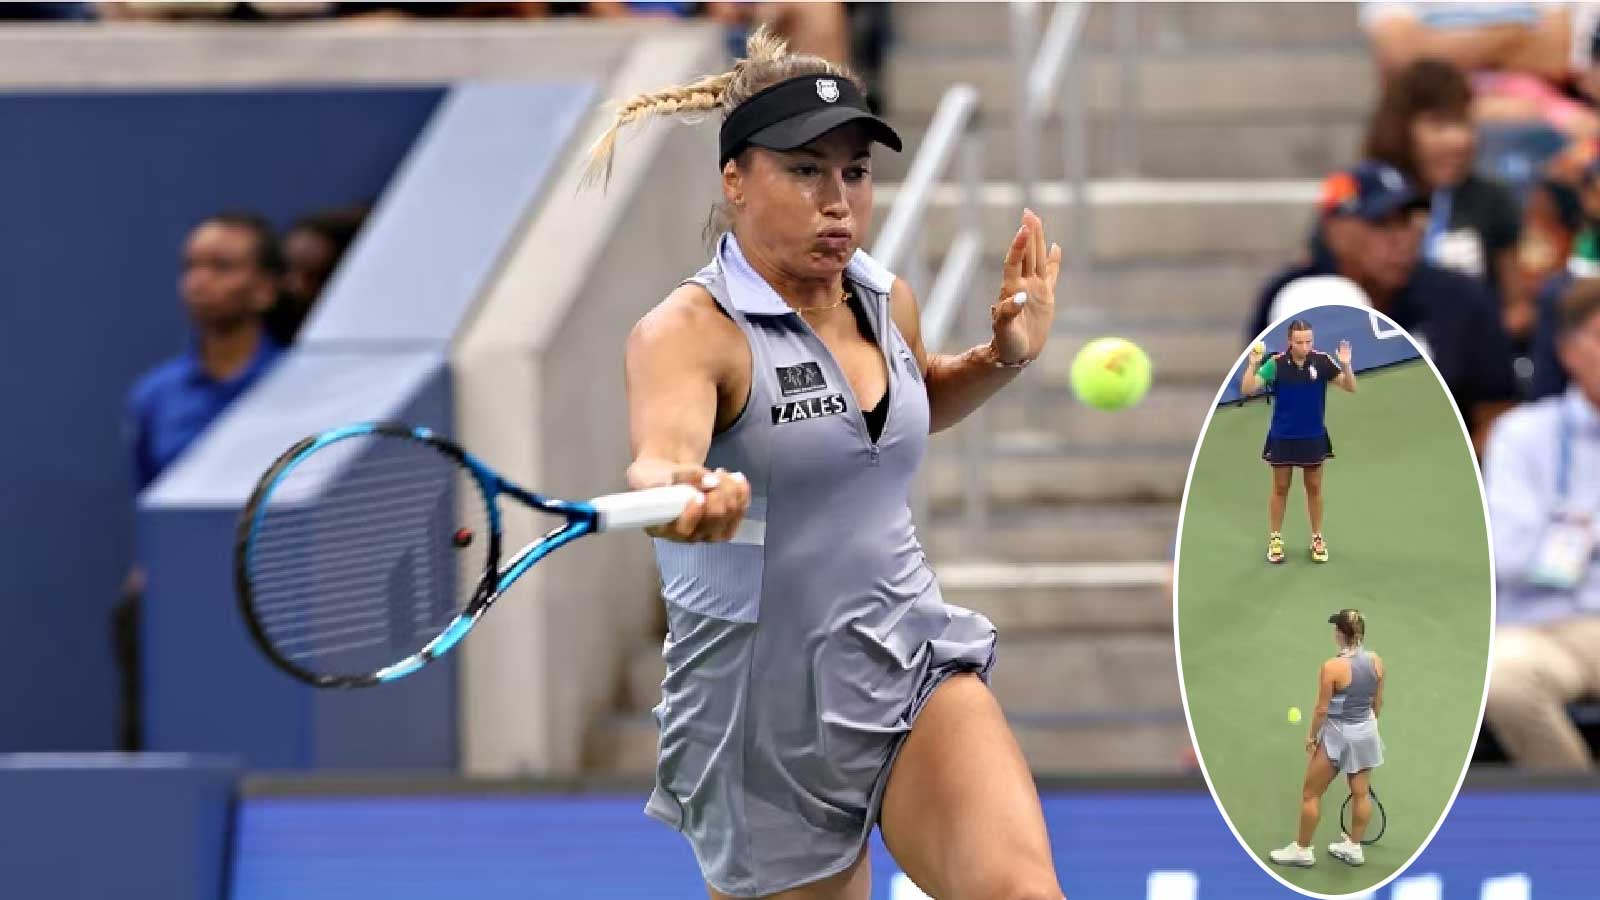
x: 1343, y: 739
x: 817, y: 683
x: 1372, y: 219
x: 1298, y: 436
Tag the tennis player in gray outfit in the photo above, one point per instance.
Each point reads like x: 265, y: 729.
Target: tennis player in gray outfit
x: 817, y: 683
x: 1344, y: 739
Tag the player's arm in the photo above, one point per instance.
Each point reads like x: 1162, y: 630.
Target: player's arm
x: 1319, y: 715
x: 675, y: 359
x: 1377, y: 696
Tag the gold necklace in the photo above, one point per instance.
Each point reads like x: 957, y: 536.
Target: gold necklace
x: 843, y: 296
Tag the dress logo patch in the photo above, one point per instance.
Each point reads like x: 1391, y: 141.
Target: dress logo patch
x: 807, y: 376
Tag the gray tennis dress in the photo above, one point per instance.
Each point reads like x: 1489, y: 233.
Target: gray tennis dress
x: 1350, y: 733
x: 799, y: 655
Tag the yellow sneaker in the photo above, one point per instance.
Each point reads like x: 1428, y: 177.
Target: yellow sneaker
x: 1319, y: 549
x: 1275, y: 548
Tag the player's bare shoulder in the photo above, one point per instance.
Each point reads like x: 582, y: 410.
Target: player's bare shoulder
x: 689, y: 326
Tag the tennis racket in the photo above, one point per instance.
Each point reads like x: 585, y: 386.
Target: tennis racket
x: 368, y: 551
x: 1375, y: 827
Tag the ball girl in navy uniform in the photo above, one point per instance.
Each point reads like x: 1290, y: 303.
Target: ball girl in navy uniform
x: 1298, y: 437
x: 818, y: 685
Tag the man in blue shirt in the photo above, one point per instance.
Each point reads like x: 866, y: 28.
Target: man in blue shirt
x: 231, y: 267
x: 1542, y: 478
x: 1298, y: 436
x: 1373, y: 220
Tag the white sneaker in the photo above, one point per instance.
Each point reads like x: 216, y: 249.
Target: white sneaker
x: 1294, y: 855
x: 1347, y: 851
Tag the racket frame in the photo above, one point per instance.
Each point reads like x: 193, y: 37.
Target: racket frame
x: 581, y: 519
x: 1383, y: 817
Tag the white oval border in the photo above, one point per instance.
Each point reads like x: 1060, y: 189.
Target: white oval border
x: 1177, y: 641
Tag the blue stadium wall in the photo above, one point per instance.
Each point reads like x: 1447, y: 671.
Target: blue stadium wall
x: 181, y: 829
x: 101, y: 189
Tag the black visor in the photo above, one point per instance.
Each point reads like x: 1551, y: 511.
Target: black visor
x: 796, y: 112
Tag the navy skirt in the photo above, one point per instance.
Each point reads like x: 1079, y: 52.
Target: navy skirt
x: 1297, y: 451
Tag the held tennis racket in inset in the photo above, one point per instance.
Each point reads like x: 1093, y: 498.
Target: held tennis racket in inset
x: 366, y: 552
x: 1375, y: 826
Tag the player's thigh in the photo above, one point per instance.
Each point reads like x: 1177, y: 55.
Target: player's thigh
x: 1312, y: 478
x: 961, y: 814
x: 1282, y: 478
x: 854, y: 883
x: 1320, y: 773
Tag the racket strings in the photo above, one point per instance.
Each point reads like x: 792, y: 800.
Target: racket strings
x: 365, y: 550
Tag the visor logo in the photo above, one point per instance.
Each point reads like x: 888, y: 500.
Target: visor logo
x: 828, y: 90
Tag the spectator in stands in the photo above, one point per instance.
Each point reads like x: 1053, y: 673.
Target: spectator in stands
x: 231, y: 267
x: 312, y: 249
x: 1528, y: 60
x: 1548, y: 377
x: 1586, y: 246
x: 1422, y: 127
x: 1542, y: 476
x: 1372, y: 221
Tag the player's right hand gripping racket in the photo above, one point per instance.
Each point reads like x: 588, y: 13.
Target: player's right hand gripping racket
x: 368, y: 551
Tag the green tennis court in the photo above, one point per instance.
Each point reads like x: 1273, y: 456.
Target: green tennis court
x: 1405, y: 530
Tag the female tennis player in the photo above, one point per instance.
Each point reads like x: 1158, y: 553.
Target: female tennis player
x: 1298, y: 436
x: 1343, y: 738
x: 817, y: 683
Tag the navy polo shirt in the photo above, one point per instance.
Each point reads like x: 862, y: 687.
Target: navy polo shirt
x: 171, y: 404
x: 1455, y: 321
x: 1300, y: 394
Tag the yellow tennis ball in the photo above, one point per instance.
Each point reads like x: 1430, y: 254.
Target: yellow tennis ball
x: 1110, y: 373
x: 1294, y: 714
x: 1260, y: 347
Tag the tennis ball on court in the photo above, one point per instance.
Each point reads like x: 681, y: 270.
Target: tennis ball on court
x: 1294, y: 714
x: 1110, y: 373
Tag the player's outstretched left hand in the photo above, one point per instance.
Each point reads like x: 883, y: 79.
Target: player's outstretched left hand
x: 1020, y: 329
x: 1344, y: 355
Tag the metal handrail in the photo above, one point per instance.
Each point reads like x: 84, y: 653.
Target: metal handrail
x: 1043, y: 79
x: 900, y: 249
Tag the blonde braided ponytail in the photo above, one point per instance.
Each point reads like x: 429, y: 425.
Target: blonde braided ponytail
x: 767, y: 61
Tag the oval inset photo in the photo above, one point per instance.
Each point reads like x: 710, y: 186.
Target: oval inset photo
x: 1335, y: 600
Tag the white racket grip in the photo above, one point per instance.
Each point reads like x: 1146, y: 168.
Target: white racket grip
x: 641, y: 509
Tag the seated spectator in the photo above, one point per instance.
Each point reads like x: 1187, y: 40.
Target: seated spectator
x: 821, y: 29
x: 312, y: 248
x: 1548, y: 378
x: 231, y: 267
x: 1542, y: 477
x: 1586, y: 246
x: 1545, y: 266
x: 1372, y: 222
x: 1422, y: 127
x: 1524, y: 57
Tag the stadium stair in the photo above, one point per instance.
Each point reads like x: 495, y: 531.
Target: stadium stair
x: 1241, y: 109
